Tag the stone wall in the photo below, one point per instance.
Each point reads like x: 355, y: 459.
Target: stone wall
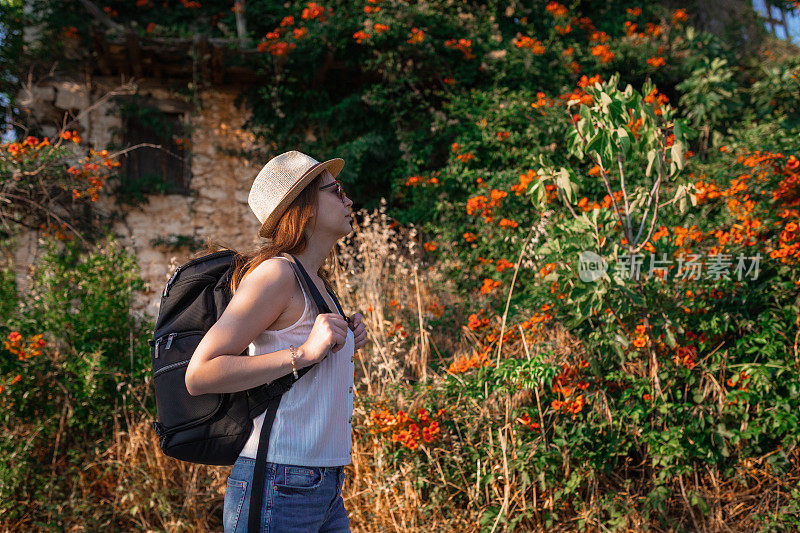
x: 216, y: 210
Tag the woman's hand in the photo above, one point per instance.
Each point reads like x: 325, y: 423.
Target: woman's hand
x: 359, y: 330
x: 328, y: 335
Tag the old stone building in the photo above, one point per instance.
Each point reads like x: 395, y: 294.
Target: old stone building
x: 200, y: 166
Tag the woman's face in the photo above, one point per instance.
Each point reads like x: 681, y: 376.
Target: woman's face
x: 332, y: 212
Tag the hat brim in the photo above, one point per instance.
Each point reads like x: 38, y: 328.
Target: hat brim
x: 334, y: 166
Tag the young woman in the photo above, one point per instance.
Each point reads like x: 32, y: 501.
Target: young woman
x: 303, y: 211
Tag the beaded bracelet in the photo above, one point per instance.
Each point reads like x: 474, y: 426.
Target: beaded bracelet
x: 294, y: 368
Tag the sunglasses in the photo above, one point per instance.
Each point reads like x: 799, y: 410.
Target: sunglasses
x: 339, y: 190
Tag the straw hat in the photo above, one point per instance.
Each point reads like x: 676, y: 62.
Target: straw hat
x: 279, y: 183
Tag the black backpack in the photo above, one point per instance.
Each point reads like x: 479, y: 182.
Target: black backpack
x: 211, y: 428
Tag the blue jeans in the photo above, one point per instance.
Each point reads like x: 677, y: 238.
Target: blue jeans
x: 296, y: 498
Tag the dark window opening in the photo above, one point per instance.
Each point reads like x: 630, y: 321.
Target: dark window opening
x: 156, y: 170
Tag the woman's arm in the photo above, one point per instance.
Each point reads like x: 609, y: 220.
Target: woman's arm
x: 257, y: 303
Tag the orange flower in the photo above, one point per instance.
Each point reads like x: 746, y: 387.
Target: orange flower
x: 577, y: 404
x: 503, y: 264
x: 680, y: 15
x: 556, y: 9
x: 489, y: 285
x: 416, y: 37
x: 360, y: 36
x: 603, y: 52
x: 600, y: 36
x: 312, y: 11
x: 656, y: 61
x: 526, y: 42
x: 461, y: 44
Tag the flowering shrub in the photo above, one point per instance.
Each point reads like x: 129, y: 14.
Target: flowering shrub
x: 36, y: 173
x: 69, y: 351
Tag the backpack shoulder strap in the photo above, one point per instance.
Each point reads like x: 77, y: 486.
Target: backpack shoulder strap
x: 322, y: 307
x: 333, y: 296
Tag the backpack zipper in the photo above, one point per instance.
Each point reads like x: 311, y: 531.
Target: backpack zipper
x: 167, y: 346
x: 171, y: 366
x: 168, y: 343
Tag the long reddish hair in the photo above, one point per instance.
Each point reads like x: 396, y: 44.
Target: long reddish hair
x: 287, y: 236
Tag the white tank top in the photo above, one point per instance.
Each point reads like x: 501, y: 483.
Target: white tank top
x: 312, y: 426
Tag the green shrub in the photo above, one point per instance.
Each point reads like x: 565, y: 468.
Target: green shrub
x: 72, y: 382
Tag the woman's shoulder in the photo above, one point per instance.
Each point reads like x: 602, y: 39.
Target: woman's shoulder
x: 273, y: 264
x: 273, y: 274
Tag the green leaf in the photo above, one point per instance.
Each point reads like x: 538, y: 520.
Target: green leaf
x: 586, y: 115
x: 651, y: 157
x: 676, y: 153
x: 607, y: 156
x: 541, y: 196
x: 617, y: 112
x: 678, y: 130
x: 594, y: 143
x: 624, y: 140
x: 564, y: 183
x: 605, y: 100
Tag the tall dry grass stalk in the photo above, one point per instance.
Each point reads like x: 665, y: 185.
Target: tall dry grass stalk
x: 377, y: 264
